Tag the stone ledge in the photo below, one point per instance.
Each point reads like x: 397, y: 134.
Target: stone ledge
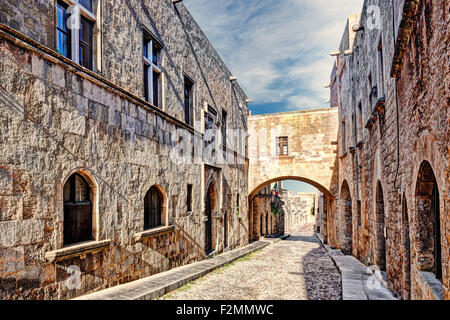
x: 358, y: 282
x: 152, y: 232
x: 159, y: 284
x: 429, y: 284
x: 76, y: 250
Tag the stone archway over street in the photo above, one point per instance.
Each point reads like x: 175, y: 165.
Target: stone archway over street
x: 300, y: 145
x: 308, y: 152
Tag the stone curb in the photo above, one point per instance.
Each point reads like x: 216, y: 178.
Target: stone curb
x: 155, y: 286
x: 355, y: 277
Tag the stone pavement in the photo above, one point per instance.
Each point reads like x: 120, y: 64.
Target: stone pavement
x: 298, y: 268
x: 161, y: 283
x: 359, y: 282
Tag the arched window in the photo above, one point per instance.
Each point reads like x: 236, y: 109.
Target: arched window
x: 153, y: 205
x: 77, y: 210
x: 428, y: 218
x: 380, y: 231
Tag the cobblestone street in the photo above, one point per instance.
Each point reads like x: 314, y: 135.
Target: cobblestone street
x: 294, y: 269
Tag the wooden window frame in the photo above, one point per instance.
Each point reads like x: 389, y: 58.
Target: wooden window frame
x: 75, y: 41
x: 72, y: 207
x: 280, y: 141
x: 153, y: 219
x: 152, y: 70
x: 67, y: 32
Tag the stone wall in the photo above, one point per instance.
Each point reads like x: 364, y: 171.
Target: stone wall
x: 58, y: 118
x: 311, y: 148
x: 393, y: 141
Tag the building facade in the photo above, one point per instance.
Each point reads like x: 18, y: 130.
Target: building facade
x: 390, y: 83
x: 113, y: 161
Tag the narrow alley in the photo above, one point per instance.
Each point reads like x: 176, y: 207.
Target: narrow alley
x: 297, y: 268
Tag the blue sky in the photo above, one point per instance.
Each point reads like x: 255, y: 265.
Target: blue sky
x: 278, y: 49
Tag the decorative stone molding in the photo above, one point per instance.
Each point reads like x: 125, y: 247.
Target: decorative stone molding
x: 369, y: 123
x: 77, y: 250
x: 152, y: 232
x: 374, y: 117
x: 380, y: 105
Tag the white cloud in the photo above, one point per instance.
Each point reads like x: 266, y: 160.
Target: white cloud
x: 279, y: 49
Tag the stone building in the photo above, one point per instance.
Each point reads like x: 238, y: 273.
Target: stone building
x: 390, y: 83
x: 299, y: 209
x: 112, y: 125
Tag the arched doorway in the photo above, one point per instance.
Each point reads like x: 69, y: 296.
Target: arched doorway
x: 210, y: 203
x: 407, y: 252
x: 428, y: 221
x: 346, y: 207
x: 380, y: 229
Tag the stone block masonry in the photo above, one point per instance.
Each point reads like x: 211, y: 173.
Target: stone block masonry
x: 59, y: 120
x: 391, y: 87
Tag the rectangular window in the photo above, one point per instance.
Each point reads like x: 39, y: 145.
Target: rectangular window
x: 343, y: 138
x: 189, y: 198
x: 224, y: 127
x: 188, y: 101
x: 360, y: 124
x: 76, y: 43
x: 282, y: 146
x: 152, y: 71
x: 86, y: 27
x: 381, y: 68
x: 63, y: 35
x: 210, y: 119
x: 370, y: 92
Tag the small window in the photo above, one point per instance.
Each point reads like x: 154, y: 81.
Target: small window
x: 360, y: 123
x: 224, y: 127
x: 77, y: 210
x: 188, y: 101
x: 152, y: 71
x: 63, y: 34
x: 189, y: 198
x: 282, y: 146
x: 153, y: 204
x: 381, y: 68
x: 343, y: 138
